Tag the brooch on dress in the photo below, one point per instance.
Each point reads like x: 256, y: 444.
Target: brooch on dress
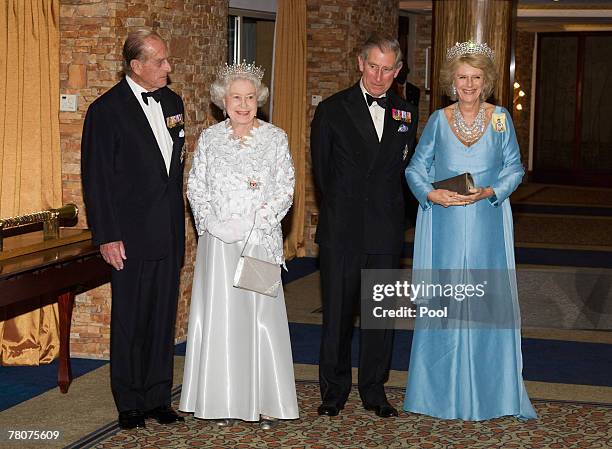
x: 499, y: 122
x: 254, y: 184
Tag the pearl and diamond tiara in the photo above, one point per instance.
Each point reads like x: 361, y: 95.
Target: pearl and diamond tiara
x: 242, y: 69
x: 469, y: 48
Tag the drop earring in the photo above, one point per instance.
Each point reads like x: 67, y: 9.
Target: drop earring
x: 454, y: 91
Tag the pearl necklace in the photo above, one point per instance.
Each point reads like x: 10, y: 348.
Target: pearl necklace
x: 469, y: 134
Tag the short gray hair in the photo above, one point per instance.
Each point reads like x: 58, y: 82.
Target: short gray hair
x: 384, y: 44
x: 218, y: 89
x: 135, y: 46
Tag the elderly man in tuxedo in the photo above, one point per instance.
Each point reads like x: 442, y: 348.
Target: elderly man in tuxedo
x: 360, y: 143
x: 132, y: 171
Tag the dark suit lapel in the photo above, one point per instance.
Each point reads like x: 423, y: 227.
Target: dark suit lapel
x: 141, y: 124
x: 391, y: 126
x: 390, y: 131
x: 175, y: 123
x: 357, y: 109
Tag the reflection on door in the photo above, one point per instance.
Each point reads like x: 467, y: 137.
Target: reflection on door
x: 573, y: 132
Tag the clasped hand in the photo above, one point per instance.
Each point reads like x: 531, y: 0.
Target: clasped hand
x: 448, y: 198
x: 232, y: 230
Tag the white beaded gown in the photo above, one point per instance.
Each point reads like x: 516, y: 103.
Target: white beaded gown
x: 238, y: 362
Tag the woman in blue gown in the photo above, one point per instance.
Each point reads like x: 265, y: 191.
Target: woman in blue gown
x: 469, y: 366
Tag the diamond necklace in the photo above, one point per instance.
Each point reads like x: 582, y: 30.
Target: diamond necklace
x: 467, y: 133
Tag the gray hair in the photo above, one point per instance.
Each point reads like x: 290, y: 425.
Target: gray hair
x: 219, y: 88
x: 135, y: 47
x: 384, y: 44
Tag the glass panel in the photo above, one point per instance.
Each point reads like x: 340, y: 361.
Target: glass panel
x: 249, y: 39
x: 556, y: 102
x: 596, y: 145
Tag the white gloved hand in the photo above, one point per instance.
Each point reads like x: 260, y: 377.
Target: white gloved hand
x: 231, y: 231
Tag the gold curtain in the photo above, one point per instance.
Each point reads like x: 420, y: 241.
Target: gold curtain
x: 289, y: 111
x: 30, y: 158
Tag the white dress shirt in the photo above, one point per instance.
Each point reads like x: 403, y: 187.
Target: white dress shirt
x: 155, y: 116
x: 376, y: 111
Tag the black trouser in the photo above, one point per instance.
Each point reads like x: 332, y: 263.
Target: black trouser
x: 142, y: 332
x: 340, y: 285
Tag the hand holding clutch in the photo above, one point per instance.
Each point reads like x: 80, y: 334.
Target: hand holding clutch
x: 452, y: 191
x: 458, y: 191
x: 460, y: 184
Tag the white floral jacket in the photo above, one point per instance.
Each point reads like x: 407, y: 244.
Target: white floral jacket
x: 230, y: 180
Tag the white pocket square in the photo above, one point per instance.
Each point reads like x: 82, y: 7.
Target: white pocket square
x: 182, y: 133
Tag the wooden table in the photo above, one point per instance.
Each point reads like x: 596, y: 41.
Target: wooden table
x: 55, y: 273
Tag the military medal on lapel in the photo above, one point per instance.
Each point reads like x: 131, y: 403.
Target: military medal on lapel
x: 402, y: 116
x: 174, y: 120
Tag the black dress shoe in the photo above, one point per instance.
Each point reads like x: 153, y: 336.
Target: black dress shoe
x: 131, y: 419
x: 165, y: 415
x: 329, y: 409
x: 384, y: 410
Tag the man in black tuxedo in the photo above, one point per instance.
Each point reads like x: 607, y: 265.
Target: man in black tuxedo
x: 132, y: 171
x: 360, y: 142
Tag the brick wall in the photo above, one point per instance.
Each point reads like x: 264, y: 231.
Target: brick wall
x: 336, y: 29
x: 525, y: 42
x: 91, y: 36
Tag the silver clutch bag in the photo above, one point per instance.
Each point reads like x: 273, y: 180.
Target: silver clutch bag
x: 257, y: 275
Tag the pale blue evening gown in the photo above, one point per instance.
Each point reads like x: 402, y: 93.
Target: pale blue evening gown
x: 467, y: 372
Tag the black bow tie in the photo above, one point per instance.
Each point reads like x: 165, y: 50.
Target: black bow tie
x: 382, y: 101
x: 156, y: 95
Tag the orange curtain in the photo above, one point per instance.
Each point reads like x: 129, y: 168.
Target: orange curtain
x: 30, y: 158
x: 289, y: 109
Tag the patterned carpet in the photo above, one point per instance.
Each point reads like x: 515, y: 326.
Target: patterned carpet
x: 563, y: 425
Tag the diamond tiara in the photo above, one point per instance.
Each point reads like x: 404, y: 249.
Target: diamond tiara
x: 244, y: 69
x: 469, y: 48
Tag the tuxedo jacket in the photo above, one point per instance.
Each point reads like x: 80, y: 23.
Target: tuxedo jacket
x: 128, y: 192
x: 359, y: 178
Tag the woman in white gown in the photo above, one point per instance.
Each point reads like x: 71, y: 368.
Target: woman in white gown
x: 238, y: 363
